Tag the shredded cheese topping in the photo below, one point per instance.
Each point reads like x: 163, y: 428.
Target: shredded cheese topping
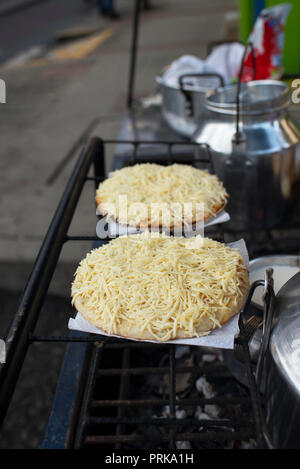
x: 160, y: 287
x: 152, y: 194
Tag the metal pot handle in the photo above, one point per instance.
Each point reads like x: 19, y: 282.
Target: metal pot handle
x: 268, y: 316
x: 255, y: 379
x: 239, y: 137
x: 189, y: 101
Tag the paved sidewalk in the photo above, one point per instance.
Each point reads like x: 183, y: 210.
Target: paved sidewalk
x: 10, y: 6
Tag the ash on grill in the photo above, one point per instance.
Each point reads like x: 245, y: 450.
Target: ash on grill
x: 211, y: 409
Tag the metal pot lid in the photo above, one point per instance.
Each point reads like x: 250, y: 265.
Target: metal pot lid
x: 285, y: 337
x: 256, y: 97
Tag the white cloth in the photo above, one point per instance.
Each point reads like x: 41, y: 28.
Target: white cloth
x: 183, y: 65
x: 224, y: 60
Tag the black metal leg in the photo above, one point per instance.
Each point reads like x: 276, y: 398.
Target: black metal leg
x: 133, y: 53
x: 99, y: 163
x: 172, y: 395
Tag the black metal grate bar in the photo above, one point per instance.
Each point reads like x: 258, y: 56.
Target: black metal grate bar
x: 220, y: 369
x: 229, y: 400
x: 80, y: 435
x: 172, y: 421
x: 197, y: 437
x: 172, y: 397
x: 123, y: 392
x: 81, y: 238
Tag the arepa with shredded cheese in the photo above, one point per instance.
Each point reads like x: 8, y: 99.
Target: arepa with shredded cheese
x: 152, y: 195
x: 156, y: 287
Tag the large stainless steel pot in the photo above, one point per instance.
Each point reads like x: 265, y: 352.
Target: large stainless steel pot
x: 284, y: 267
x: 255, y: 150
x: 183, y: 106
x: 282, y: 370
x: 274, y: 345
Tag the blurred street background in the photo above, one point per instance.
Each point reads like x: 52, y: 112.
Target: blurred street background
x: 66, y: 71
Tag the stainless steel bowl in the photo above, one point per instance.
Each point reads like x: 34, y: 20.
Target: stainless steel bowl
x: 284, y: 267
x: 183, y: 106
x: 257, y: 268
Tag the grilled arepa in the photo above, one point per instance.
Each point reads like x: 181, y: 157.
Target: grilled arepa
x: 151, y: 195
x: 160, y: 287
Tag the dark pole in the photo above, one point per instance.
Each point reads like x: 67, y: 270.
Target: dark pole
x: 133, y: 53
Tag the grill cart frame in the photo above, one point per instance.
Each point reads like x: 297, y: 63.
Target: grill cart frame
x: 70, y: 417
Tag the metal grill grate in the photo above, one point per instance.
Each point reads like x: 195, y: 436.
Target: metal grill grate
x: 120, y: 424
x: 116, y: 417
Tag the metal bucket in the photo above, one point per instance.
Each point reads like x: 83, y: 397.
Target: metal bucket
x: 281, y: 366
